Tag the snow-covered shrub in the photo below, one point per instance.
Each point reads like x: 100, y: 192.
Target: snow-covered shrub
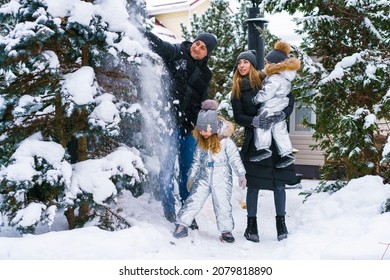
x: 326, y: 187
x: 33, y: 183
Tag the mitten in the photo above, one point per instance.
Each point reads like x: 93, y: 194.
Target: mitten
x: 278, y: 117
x: 190, y: 182
x: 242, y: 182
x: 260, y: 121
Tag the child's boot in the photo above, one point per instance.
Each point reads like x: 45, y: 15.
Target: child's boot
x: 285, y: 161
x: 261, y: 155
x: 227, y: 236
x: 180, y: 231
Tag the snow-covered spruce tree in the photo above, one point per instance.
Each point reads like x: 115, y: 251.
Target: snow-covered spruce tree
x: 348, y: 88
x: 70, y: 74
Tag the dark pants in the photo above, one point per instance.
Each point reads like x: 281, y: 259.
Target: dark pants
x: 252, y: 196
x: 184, y: 147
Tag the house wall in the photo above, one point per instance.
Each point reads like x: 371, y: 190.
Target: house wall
x: 307, y: 161
x: 172, y: 20
x: 199, y: 7
x: 305, y: 154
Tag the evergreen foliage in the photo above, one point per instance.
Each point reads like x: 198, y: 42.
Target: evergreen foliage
x: 324, y: 187
x: 386, y: 206
x: 348, y: 85
x: 40, y: 55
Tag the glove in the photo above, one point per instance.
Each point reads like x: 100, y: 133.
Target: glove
x: 242, y: 182
x: 278, y: 117
x: 260, y: 121
x: 190, y: 182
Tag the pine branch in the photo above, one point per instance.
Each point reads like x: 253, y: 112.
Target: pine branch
x: 121, y: 219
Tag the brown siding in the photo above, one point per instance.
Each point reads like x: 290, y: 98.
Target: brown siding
x: 305, y: 154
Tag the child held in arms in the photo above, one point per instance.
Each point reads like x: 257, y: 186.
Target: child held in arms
x: 280, y: 69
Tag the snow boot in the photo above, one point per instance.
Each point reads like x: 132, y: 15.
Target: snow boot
x: 281, y: 228
x: 261, y: 154
x: 180, y: 231
x: 194, y: 225
x: 227, y: 236
x: 251, y: 232
x: 285, y: 161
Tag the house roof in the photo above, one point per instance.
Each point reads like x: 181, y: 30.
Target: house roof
x: 169, y: 2
x: 168, y: 6
x: 165, y: 34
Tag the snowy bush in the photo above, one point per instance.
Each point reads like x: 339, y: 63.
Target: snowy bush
x: 33, y: 183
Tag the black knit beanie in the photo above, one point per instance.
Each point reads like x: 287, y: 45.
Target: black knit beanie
x: 248, y: 55
x: 210, y: 40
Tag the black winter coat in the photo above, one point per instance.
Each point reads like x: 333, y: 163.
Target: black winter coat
x: 190, y: 80
x: 262, y: 175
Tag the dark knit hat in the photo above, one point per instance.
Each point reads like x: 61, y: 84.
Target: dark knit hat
x: 279, y: 53
x: 210, y: 40
x: 248, y: 55
x: 207, y: 117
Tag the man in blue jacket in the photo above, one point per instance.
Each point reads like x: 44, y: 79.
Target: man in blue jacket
x: 187, y: 65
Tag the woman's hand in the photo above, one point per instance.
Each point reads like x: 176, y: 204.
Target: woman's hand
x: 277, y: 117
x: 263, y: 122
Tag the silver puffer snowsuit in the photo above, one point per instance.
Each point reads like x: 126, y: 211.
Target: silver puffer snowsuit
x: 213, y: 174
x: 274, y: 99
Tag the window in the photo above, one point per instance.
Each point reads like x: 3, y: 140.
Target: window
x: 300, y: 113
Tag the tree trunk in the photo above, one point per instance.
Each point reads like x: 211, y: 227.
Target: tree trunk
x: 82, y: 155
x: 69, y: 214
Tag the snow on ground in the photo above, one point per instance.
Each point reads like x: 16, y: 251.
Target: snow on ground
x: 347, y: 225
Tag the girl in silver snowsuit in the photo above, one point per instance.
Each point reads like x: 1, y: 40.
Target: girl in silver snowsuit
x: 280, y: 70
x: 216, y: 157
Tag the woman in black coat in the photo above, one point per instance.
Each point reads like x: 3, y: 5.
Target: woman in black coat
x: 261, y: 175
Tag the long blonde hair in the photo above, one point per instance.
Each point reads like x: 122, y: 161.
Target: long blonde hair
x: 255, y: 79
x: 213, y: 142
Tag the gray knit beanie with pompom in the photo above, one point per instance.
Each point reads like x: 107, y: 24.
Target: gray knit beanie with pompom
x: 207, y: 117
